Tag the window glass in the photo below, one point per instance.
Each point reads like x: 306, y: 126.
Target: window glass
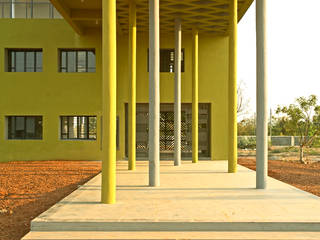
x: 24, y: 127
x: 6, y: 9
x: 64, y: 127
x: 30, y: 126
x: 38, y: 61
x: 73, y: 127
x: 78, y: 127
x: 30, y: 64
x: 91, y: 61
x: 27, y: 60
x: 77, y: 61
x: 41, y: 9
x: 63, y: 63
x: 19, y: 9
x: 19, y: 130
x: 92, y: 127
x: 19, y: 62
x: 56, y: 14
x: 71, y: 61
x: 83, y: 124
x: 12, y: 62
x: 81, y: 63
x: 29, y: 8
x: 38, y: 128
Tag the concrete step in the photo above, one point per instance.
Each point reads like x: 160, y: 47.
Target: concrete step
x: 155, y: 226
x: 173, y: 235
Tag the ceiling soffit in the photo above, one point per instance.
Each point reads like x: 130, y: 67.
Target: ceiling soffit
x: 208, y: 16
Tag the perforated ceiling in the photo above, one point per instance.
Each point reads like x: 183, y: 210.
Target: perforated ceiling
x: 208, y: 16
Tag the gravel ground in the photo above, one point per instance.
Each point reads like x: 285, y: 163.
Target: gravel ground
x: 29, y: 188
x: 303, y: 176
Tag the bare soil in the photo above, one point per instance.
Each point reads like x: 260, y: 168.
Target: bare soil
x: 303, y: 176
x: 29, y: 188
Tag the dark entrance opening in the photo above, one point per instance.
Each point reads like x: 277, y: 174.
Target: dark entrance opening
x: 167, y: 130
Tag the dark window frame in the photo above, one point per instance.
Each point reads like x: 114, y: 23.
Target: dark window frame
x: 69, y: 50
x: 164, y: 67
x: 87, y: 133
x: 118, y: 133
x: 14, y: 51
x: 12, y: 135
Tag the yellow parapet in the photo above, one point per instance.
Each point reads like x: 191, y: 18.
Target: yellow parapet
x: 232, y: 158
x: 132, y: 84
x: 195, y: 100
x: 109, y: 86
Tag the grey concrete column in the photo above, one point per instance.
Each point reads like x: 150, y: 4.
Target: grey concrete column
x: 177, y: 94
x: 154, y: 94
x: 262, y: 106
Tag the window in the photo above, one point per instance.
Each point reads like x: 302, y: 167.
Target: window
x: 24, y: 60
x: 79, y: 127
x: 118, y: 134
x: 167, y: 60
x: 27, y: 9
x: 77, y: 60
x: 24, y: 127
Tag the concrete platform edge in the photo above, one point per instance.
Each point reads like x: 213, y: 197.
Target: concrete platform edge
x: 176, y: 226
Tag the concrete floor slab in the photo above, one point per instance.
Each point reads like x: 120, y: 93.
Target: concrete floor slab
x: 192, y: 197
x: 173, y: 235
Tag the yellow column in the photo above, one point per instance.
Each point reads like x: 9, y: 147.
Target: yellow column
x: 232, y: 158
x: 195, y: 103
x: 132, y: 84
x: 109, y: 39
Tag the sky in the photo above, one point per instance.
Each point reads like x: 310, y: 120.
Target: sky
x: 293, y: 40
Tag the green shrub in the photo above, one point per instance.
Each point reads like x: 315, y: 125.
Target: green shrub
x: 247, y: 143
x: 277, y: 150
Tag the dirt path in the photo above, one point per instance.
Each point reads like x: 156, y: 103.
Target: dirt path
x: 29, y: 188
x: 302, y: 176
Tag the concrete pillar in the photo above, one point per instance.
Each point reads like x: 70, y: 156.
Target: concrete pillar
x: 109, y: 87
x: 195, y: 101
x: 262, y: 108
x: 177, y: 94
x: 132, y: 84
x: 232, y: 158
x: 154, y: 93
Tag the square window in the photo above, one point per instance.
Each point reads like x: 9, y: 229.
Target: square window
x: 24, y: 60
x: 24, y: 127
x: 78, y: 60
x: 78, y: 127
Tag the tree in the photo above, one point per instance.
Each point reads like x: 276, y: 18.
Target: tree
x: 280, y: 126
x: 303, y: 119
x: 242, y: 102
x: 247, y: 127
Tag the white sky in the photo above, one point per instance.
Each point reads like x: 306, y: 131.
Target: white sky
x: 293, y: 51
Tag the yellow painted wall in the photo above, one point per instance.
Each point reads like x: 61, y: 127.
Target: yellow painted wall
x: 52, y: 94
x: 213, y: 82
x: 49, y: 93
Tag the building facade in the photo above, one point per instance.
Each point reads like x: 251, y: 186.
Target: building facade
x: 51, y: 92
x: 106, y: 80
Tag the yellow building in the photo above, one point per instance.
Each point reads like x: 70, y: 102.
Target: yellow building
x: 77, y: 77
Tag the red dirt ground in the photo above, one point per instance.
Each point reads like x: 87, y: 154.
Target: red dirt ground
x: 29, y: 188
x: 303, y: 176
